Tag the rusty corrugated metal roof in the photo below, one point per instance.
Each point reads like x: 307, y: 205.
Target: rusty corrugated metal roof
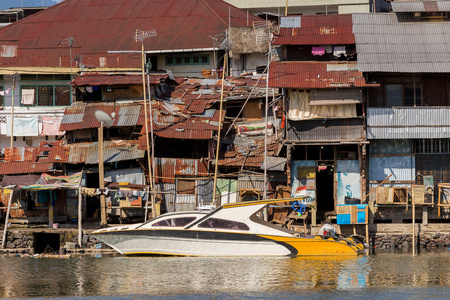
x: 179, y: 126
x: 24, y: 167
x: 97, y: 79
x: 45, y: 152
x: 318, y: 30
x: 113, y: 151
x: 167, y: 169
x: 335, y: 74
x: 100, y: 26
x: 86, y: 119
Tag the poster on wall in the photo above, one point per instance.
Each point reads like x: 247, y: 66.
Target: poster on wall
x: 348, y: 180
x: 303, y: 178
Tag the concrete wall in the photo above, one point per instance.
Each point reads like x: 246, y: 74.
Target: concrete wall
x: 186, y: 70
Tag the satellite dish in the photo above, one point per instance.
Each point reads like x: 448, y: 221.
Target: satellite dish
x: 104, y: 118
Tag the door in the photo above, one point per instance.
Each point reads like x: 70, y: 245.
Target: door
x: 348, y: 180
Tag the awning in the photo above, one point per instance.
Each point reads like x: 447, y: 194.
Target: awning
x: 335, y: 97
x: 48, y: 182
x: 19, y: 180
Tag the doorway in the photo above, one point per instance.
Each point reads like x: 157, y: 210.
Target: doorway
x: 325, y: 187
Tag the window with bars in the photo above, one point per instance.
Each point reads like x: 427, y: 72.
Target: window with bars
x: 188, y: 59
x: 432, y: 146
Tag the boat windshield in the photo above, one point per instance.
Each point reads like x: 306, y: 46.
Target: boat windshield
x: 223, y: 224
x: 174, y: 222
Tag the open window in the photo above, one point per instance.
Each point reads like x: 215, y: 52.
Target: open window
x: 174, y: 222
x: 223, y: 224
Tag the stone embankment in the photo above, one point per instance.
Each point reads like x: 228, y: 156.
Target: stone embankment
x: 402, y: 241
x: 24, y: 242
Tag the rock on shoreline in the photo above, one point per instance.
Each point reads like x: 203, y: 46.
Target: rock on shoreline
x: 401, y: 241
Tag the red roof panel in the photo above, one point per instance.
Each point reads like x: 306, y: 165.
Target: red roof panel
x: 90, y: 79
x: 24, y: 167
x: 102, y: 26
x: 319, y: 30
x: 331, y: 74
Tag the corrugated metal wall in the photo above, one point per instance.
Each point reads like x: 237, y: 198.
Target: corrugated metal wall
x: 168, y: 197
x: 329, y: 130
x: 402, y: 168
x: 408, y: 123
x: 185, y: 202
x: 205, y: 190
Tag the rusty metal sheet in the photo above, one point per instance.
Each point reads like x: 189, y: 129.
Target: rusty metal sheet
x: 97, y: 79
x: 24, y: 167
x: 315, y: 75
x: 332, y: 130
x: 317, y: 30
x: 179, y: 24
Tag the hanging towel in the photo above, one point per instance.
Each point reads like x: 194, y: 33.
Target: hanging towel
x: 318, y: 51
x: 89, y: 89
x: 328, y: 49
x: 339, y: 50
x: 27, y: 97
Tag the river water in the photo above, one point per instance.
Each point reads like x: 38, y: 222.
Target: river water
x: 384, y: 275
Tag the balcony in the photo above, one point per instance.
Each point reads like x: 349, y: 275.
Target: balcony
x: 326, y: 130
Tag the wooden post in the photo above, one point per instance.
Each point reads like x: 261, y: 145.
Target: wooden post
x: 7, y: 219
x: 424, y: 215
x: 225, y: 63
x: 50, y: 210
x: 146, y: 204
x: 367, y: 233
x: 413, y: 226
x: 80, y: 216
x: 314, y: 216
x: 101, y: 177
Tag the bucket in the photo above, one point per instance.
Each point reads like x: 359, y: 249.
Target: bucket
x: 55, y: 225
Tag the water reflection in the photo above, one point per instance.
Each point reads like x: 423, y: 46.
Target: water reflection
x: 234, y: 277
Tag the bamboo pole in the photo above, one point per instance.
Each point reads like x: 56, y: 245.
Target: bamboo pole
x: 375, y: 188
x: 80, y: 217
x: 152, y: 200
x: 101, y: 177
x: 7, y: 219
x: 413, y: 226
x: 12, y: 113
x: 225, y: 62
x: 154, y: 212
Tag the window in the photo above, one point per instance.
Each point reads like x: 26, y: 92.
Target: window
x: 394, y: 95
x: 2, y: 95
x: 397, y: 91
x: 49, y: 95
x: 223, y: 224
x: 49, y: 89
x: 174, y: 222
x: 432, y: 146
x: 187, y: 59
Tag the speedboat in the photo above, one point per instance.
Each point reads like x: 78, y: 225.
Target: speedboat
x: 230, y: 230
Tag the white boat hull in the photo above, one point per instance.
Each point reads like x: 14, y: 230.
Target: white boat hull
x: 196, y: 243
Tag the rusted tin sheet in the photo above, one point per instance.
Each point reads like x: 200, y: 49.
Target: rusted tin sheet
x: 316, y: 30
x: 179, y: 24
x: 300, y: 74
x: 24, y: 167
x: 339, y: 130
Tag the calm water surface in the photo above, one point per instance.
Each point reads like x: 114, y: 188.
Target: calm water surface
x: 385, y: 275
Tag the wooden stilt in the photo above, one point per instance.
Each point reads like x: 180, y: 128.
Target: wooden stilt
x: 7, y: 219
x: 80, y: 216
x: 50, y: 210
x: 413, y: 226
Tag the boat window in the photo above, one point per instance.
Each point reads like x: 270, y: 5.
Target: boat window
x: 223, y: 224
x: 174, y: 222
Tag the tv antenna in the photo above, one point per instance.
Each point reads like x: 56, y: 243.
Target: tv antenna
x: 140, y: 36
x: 264, y: 35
